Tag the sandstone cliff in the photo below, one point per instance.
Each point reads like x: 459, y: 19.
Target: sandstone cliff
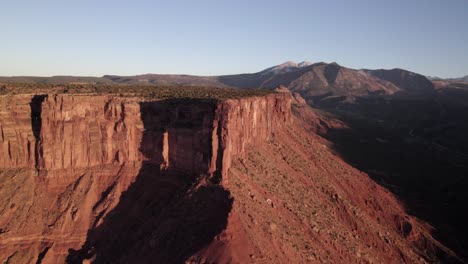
x: 109, y: 179
x: 66, y: 159
x: 17, y: 134
x: 60, y: 132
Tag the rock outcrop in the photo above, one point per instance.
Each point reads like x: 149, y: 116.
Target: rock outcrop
x: 108, y: 179
x: 66, y: 159
x: 60, y: 132
x: 248, y: 122
x: 17, y: 132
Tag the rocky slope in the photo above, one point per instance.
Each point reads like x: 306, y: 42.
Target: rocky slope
x: 295, y: 201
x: 66, y: 159
x: 111, y: 179
x: 333, y: 82
x: 419, y: 151
x: 406, y: 80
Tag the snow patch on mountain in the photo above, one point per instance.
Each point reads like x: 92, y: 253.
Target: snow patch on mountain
x: 286, y: 67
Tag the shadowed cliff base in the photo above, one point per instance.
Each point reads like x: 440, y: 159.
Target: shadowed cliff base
x: 36, y: 122
x: 36, y: 110
x: 168, y: 213
x: 417, y: 148
x: 161, y: 218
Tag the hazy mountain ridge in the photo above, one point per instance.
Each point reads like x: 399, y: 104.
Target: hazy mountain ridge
x: 460, y: 79
x: 314, y: 81
x: 404, y: 79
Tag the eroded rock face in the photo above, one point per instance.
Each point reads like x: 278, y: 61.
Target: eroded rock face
x: 105, y: 179
x: 297, y: 201
x: 248, y: 122
x: 66, y: 160
x: 56, y: 132
x: 87, y: 131
x: 16, y: 131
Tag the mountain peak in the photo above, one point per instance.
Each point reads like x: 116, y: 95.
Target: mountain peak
x: 304, y: 64
x: 288, y: 64
x: 287, y: 67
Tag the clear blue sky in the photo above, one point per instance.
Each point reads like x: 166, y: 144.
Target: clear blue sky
x: 223, y: 37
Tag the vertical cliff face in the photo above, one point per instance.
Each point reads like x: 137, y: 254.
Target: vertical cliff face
x: 51, y: 132
x: 177, y: 135
x: 248, y: 122
x: 65, y: 160
x: 88, y: 131
x: 109, y: 179
x: 17, y: 135
x: 65, y: 132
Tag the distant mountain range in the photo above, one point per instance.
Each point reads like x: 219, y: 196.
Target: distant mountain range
x: 314, y: 81
x: 461, y: 79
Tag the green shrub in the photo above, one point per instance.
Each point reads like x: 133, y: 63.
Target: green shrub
x: 150, y: 92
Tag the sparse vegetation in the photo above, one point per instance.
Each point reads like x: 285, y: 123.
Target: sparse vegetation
x: 153, y: 92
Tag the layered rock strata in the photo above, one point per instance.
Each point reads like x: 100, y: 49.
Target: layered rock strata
x: 65, y: 159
